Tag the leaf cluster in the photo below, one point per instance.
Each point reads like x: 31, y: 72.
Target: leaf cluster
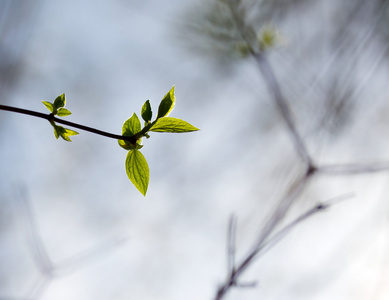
x: 136, y: 165
x: 57, y: 108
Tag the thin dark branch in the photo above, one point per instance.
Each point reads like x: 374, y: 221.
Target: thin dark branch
x: 49, y: 117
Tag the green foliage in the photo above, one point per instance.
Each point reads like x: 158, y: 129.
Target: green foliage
x: 167, y: 104
x: 146, y: 112
x: 136, y: 165
x: 62, y: 132
x: 57, y: 109
x: 60, y: 101
x: 131, y: 126
x: 138, y: 170
x: 63, y: 112
x: 168, y: 124
x: 49, y: 106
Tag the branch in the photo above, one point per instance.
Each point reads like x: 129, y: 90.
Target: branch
x: 353, y: 169
x: 279, y: 214
x: 40, y: 256
x: 277, y: 217
x: 247, y: 33
x: 265, y: 246
x: 47, y: 269
x: 309, y: 213
x: 283, y: 107
x: 50, y: 117
x: 231, y: 245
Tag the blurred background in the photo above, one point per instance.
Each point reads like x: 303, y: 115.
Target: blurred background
x: 72, y: 226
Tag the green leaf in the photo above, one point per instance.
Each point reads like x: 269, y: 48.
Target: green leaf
x: 56, y: 131
x: 48, y: 105
x: 71, y: 132
x: 146, y: 111
x: 63, y: 112
x: 167, y: 104
x: 137, y: 170
x: 62, y: 132
x: 60, y: 101
x: 131, y: 126
x: 168, y: 124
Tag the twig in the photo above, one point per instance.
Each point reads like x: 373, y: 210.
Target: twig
x: 49, y: 117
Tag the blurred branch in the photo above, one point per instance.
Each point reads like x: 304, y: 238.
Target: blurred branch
x: 231, y: 245
x: 309, y: 213
x: 353, y: 169
x: 47, y: 269
x: 266, y: 245
x: 282, y: 105
x: 40, y: 255
x: 247, y: 34
x: 267, y: 238
x: 277, y: 216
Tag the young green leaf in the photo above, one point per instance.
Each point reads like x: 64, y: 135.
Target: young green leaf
x: 62, y: 132
x: 49, y: 106
x: 146, y: 111
x: 57, y: 130
x: 167, y: 104
x: 63, y: 112
x: 137, y: 170
x: 131, y: 126
x: 70, y: 132
x: 60, y: 101
x: 169, y: 124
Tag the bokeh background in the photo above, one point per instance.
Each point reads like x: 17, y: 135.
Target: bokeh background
x: 71, y: 205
